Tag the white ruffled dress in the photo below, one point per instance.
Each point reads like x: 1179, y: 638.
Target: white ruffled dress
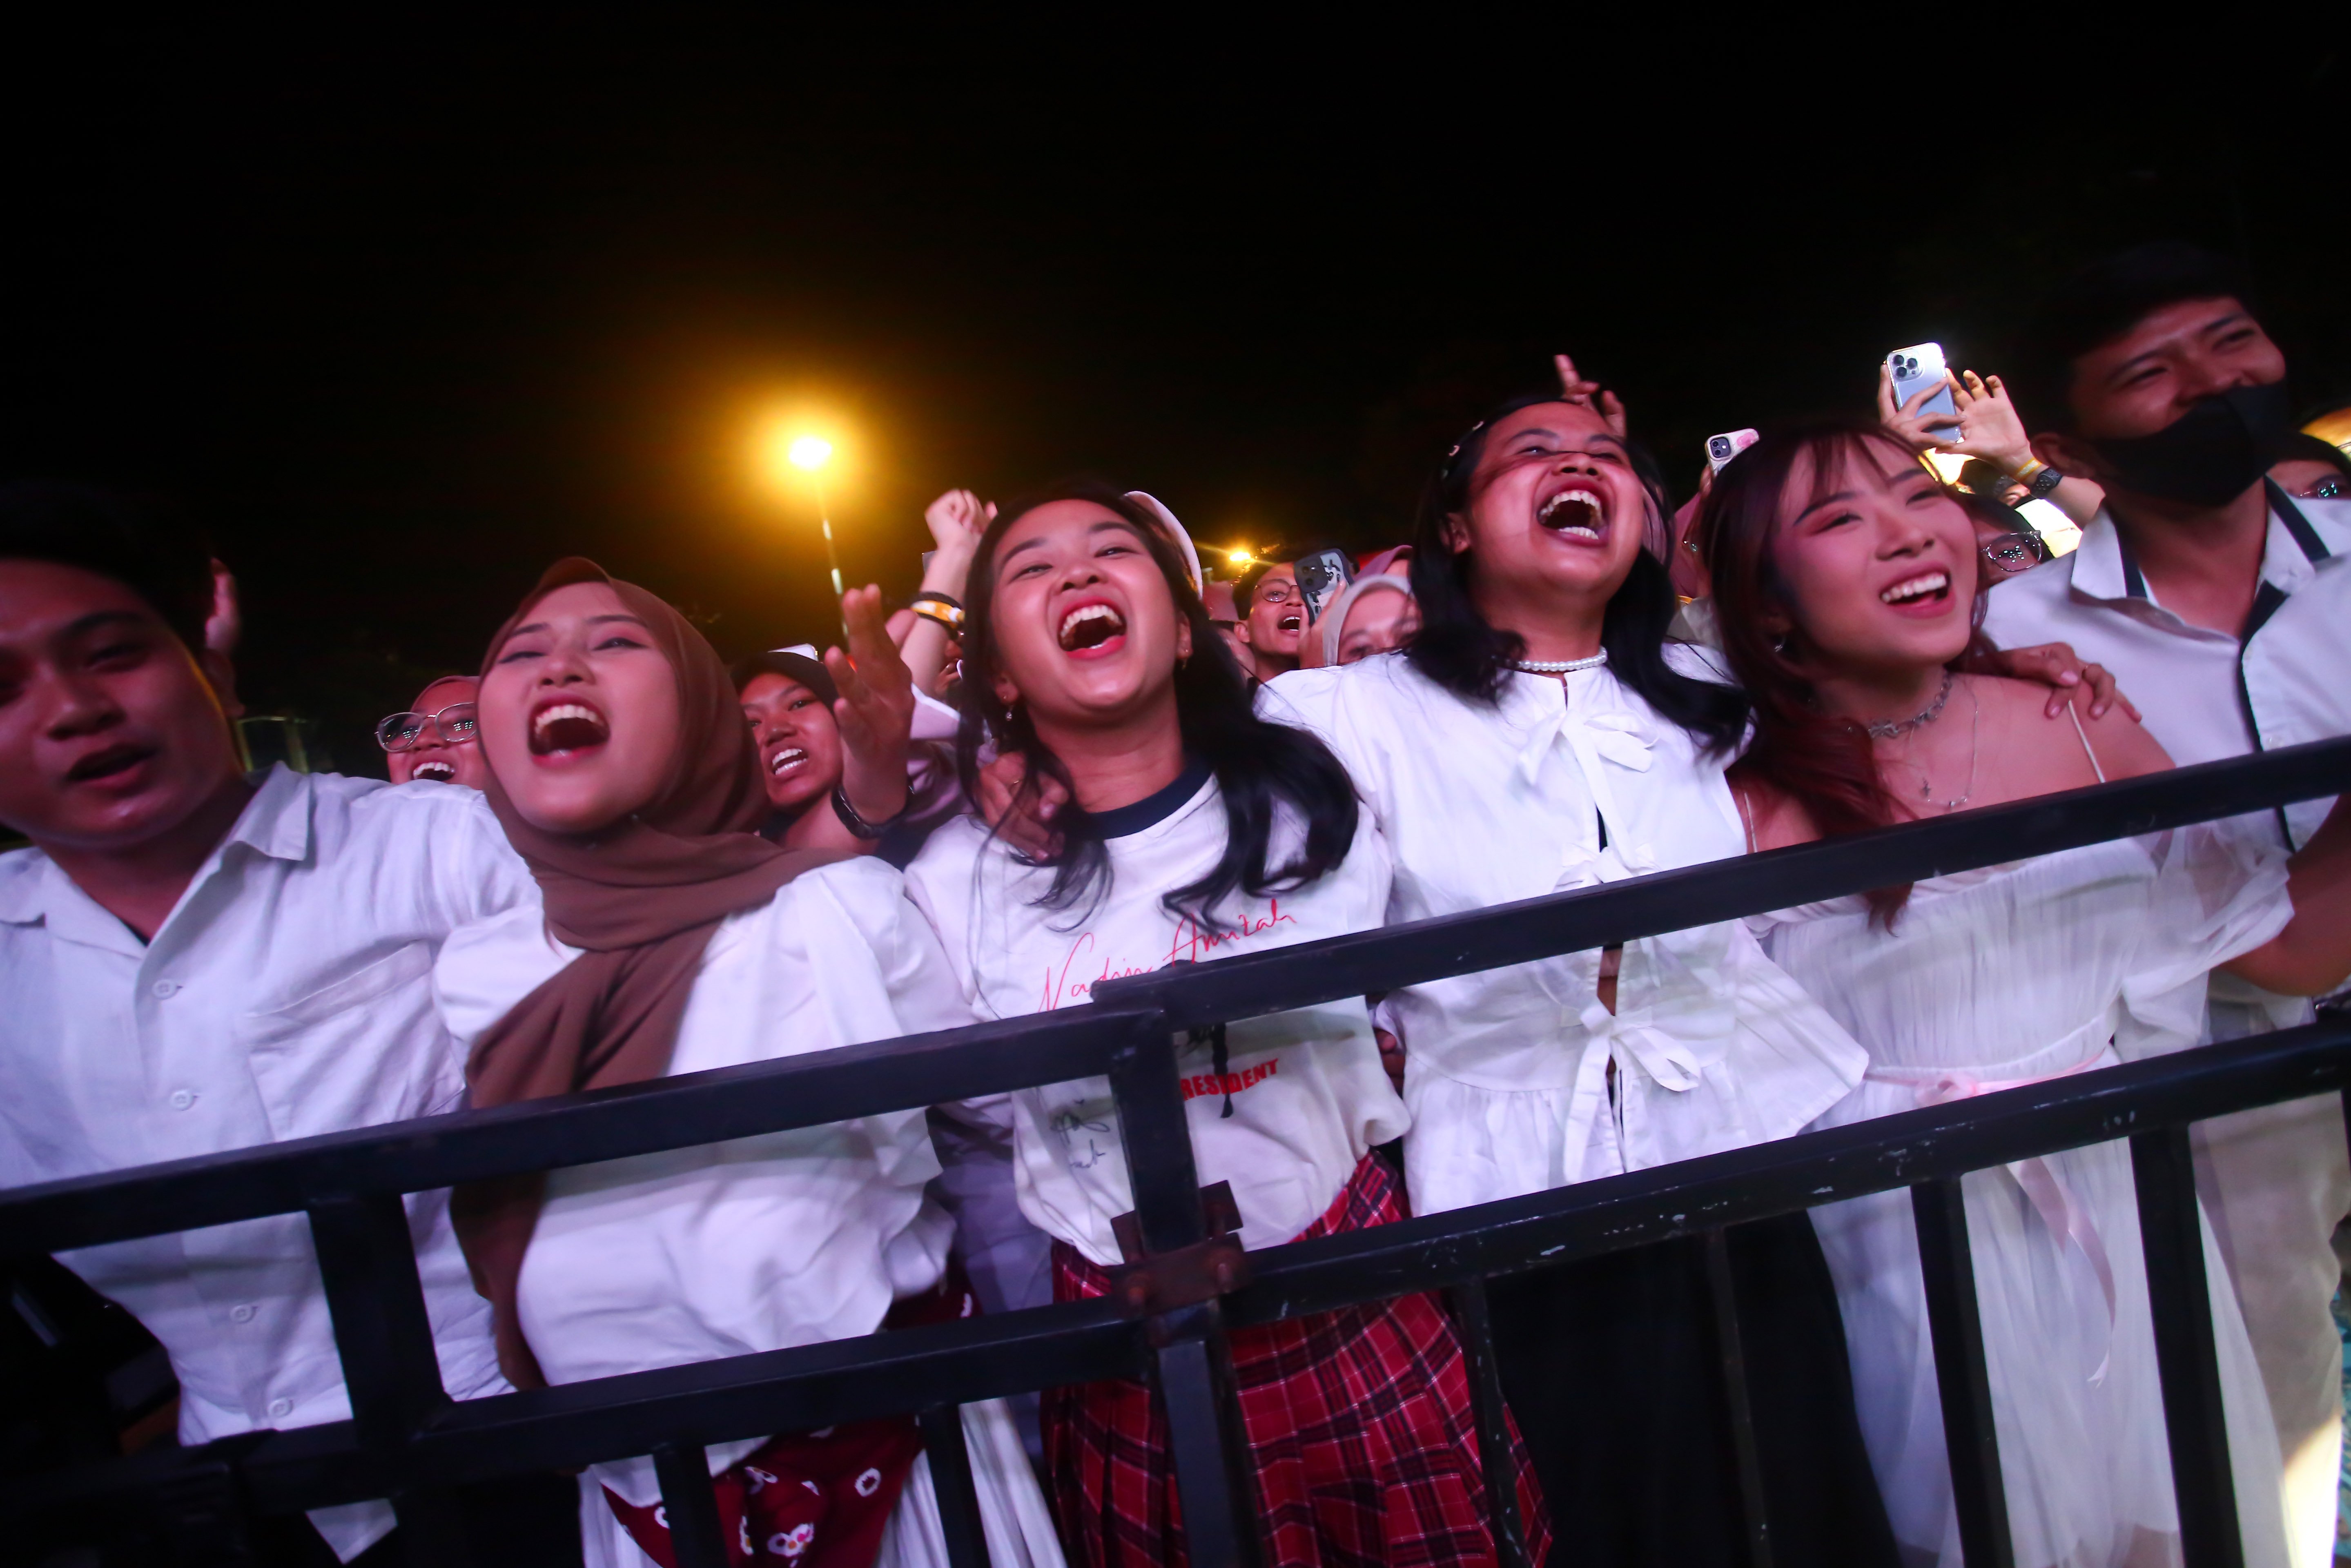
x: 1991, y: 979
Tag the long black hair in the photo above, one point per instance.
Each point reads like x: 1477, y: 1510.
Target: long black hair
x: 1460, y: 651
x: 1258, y: 765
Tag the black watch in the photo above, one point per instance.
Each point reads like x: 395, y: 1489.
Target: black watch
x: 858, y: 826
x: 2048, y: 479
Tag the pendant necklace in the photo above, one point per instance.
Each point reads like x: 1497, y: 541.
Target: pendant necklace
x: 1560, y: 666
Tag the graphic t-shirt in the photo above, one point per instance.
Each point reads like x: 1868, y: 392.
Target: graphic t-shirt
x: 1298, y: 1097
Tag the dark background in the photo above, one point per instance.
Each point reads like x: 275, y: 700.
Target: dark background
x: 400, y: 309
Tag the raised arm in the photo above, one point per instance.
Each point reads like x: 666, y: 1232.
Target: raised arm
x: 875, y: 712
x: 956, y: 521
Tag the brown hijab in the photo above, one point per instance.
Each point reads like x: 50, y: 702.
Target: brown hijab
x: 642, y: 897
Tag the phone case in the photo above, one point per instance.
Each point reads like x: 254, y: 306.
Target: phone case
x: 1721, y: 449
x: 1320, y: 576
x: 1920, y: 365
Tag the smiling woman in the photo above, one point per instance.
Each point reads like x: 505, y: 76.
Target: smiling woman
x: 669, y: 937
x: 1849, y: 592
x: 1539, y: 734
x: 1195, y: 831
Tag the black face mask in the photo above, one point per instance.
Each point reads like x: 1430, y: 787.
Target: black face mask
x: 2208, y: 456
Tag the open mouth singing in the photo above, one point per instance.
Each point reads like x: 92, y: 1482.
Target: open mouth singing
x: 566, y: 726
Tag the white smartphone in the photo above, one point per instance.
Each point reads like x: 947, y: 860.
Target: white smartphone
x: 1921, y: 365
x: 1721, y: 449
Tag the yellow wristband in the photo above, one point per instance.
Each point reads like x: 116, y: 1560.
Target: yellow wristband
x: 2032, y: 465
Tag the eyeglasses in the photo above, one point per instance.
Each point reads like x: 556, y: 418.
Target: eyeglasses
x: 2325, y: 490
x: 2010, y: 553
x: 455, y: 724
x: 1275, y: 593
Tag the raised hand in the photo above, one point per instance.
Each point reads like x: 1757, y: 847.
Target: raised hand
x: 956, y: 520
x: 1990, y: 426
x: 876, y: 710
x: 1573, y: 388
x: 1026, y: 824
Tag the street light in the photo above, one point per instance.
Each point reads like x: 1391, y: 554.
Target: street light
x: 809, y: 452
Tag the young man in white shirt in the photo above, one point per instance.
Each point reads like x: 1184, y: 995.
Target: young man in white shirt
x: 197, y: 961
x: 2223, y: 607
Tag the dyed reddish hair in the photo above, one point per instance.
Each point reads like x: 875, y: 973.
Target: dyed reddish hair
x: 1817, y: 759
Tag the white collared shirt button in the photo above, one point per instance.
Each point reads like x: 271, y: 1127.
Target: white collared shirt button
x: 182, y: 1098
x: 281, y: 1408
x: 165, y: 987
x: 242, y: 1312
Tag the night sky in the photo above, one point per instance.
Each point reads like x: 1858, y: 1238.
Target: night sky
x: 401, y: 310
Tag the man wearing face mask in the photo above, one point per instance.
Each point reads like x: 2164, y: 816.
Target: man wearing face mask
x: 2223, y: 605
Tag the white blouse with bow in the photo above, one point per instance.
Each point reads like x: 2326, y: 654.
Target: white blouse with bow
x: 1519, y: 1080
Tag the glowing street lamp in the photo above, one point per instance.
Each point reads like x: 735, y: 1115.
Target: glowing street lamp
x: 809, y: 454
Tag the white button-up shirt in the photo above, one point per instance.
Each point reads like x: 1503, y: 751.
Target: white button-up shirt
x: 289, y: 994
x: 2207, y: 694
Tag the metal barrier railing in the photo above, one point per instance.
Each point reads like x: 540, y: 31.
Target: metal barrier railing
x: 408, y: 1441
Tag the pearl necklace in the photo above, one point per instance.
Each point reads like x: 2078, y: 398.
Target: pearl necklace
x: 1559, y: 666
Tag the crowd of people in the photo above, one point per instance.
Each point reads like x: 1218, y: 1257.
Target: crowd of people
x: 606, y: 856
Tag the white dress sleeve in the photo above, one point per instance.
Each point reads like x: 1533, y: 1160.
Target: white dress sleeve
x: 2218, y: 891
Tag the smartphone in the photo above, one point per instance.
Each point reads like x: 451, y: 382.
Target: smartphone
x: 1921, y: 365
x: 1320, y: 576
x: 1721, y: 449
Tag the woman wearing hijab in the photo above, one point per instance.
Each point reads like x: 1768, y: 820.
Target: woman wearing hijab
x: 1194, y: 831
x: 1374, y: 614
x: 669, y: 937
x: 1538, y: 734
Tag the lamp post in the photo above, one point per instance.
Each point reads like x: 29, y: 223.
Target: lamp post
x: 809, y: 453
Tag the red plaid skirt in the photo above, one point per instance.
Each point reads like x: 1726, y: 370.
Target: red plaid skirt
x: 1360, y: 1430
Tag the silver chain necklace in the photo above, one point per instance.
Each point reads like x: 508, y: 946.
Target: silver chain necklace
x: 1975, y: 751
x: 1559, y: 666
x: 1887, y: 728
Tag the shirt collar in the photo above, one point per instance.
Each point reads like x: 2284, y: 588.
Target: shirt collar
x: 2104, y: 567
x: 276, y: 820
x: 275, y: 823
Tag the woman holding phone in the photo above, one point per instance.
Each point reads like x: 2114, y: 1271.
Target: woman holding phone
x: 668, y: 938
x: 1539, y: 733
x: 1849, y: 590
x: 1192, y: 830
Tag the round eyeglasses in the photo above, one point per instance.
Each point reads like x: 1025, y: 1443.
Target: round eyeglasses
x: 2010, y: 553
x: 455, y: 724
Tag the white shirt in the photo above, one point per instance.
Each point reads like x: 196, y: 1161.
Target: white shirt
x: 1507, y: 1071
x: 1307, y: 1093
x: 287, y: 995
x: 785, y: 1239
x: 2207, y: 695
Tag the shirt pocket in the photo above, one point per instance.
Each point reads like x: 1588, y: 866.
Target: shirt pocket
x: 362, y: 1050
